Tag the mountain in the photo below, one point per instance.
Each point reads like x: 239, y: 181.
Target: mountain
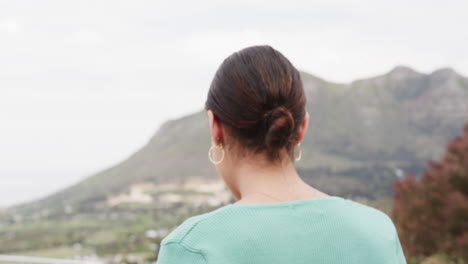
x: 361, y: 135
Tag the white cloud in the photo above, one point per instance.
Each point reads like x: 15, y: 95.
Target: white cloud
x: 9, y: 25
x: 88, y: 37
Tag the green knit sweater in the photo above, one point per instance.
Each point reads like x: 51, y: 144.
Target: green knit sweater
x: 322, y: 230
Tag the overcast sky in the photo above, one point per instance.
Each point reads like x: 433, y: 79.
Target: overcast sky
x: 84, y: 84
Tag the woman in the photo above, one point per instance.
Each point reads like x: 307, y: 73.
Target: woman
x: 257, y: 117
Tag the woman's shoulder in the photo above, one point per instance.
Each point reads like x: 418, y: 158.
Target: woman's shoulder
x: 178, y: 234
x: 366, y: 217
x: 364, y: 210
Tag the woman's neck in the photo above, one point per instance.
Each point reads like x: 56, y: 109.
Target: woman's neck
x: 281, y: 182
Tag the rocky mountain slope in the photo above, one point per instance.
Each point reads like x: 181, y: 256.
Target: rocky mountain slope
x: 361, y: 136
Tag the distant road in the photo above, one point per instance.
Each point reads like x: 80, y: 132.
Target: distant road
x: 28, y: 259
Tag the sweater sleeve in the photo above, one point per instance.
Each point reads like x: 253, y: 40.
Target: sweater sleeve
x: 175, y: 253
x: 400, y: 255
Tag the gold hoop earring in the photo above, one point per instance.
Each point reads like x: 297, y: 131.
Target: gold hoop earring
x: 300, y: 152
x: 210, y: 154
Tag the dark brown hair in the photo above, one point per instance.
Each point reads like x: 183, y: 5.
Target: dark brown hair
x: 257, y: 95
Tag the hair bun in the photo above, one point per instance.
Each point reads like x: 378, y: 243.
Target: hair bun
x: 279, y: 123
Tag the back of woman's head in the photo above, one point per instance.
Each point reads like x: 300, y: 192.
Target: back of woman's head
x: 257, y: 95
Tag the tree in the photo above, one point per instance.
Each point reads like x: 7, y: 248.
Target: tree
x: 431, y: 214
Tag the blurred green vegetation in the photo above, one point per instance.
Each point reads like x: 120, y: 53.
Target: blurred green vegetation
x: 122, y: 230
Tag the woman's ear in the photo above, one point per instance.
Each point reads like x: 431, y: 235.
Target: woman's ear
x: 302, y: 129
x: 216, y: 129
